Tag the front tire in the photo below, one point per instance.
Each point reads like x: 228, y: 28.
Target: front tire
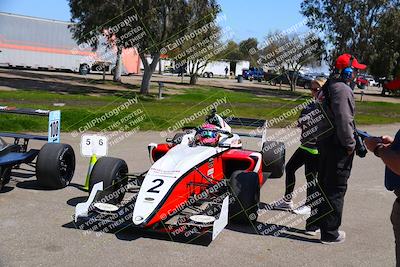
x: 55, y: 165
x: 245, y: 191
x: 112, y: 172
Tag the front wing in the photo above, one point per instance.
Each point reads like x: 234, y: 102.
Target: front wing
x: 208, y: 216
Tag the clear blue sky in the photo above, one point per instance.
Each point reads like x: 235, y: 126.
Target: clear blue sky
x: 253, y: 18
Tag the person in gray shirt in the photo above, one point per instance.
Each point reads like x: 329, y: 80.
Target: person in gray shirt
x: 336, y: 151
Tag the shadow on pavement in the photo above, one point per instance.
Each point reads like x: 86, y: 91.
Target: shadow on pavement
x: 129, y: 233
x: 6, y: 189
x: 272, y: 230
x: 76, y: 200
x: 32, y: 185
x: 79, y: 187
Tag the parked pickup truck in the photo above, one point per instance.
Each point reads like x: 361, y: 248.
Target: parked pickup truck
x: 253, y: 74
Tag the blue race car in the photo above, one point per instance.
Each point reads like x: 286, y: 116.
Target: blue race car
x: 54, y: 163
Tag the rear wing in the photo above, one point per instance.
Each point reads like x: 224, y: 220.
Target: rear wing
x: 54, y: 123
x: 248, y: 122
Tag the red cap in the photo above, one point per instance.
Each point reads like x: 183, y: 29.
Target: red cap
x: 343, y: 62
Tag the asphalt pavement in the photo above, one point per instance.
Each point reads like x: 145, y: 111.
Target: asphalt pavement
x: 36, y: 226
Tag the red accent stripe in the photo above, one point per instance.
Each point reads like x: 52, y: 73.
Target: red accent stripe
x: 47, y: 50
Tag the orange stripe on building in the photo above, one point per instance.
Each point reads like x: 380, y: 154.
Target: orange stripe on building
x: 47, y: 50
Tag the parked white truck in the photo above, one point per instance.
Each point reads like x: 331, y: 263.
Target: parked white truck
x: 36, y: 43
x: 218, y: 68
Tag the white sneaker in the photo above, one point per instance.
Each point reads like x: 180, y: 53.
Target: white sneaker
x: 303, y: 210
x: 312, y: 233
x: 340, y: 239
x: 284, y: 205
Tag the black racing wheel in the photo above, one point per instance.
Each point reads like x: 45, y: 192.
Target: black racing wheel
x: 55, y: 165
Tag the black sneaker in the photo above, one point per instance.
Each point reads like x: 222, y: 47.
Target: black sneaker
x: 340, y: 239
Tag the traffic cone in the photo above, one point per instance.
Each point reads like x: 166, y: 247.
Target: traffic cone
x: 93, y: 160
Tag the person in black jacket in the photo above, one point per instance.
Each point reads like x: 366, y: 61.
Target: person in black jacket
x: 336, y: 151
x: 307, y: 155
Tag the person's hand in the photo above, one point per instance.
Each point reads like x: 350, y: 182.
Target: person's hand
x: 372, y: 142
x: 387, y: 140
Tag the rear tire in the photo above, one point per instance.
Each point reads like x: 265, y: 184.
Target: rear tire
x: 245, y: 190
x: 55, y: 165
x: 273, y: 155
x: 110, y: 171
x: 84, y: 69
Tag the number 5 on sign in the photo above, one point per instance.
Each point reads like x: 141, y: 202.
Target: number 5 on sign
x: 94, y: 145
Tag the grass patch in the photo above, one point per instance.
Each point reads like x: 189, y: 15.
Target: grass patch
x: 85, y: 112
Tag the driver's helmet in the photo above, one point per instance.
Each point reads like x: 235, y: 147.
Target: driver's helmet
x: 207, y: 135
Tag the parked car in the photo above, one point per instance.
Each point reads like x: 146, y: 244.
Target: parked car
x: 371, y: 81
x: 253, y: 74
x: 302, y: 80
x: 53, y: 163
x: 391, y: 87
x: 362, y: 82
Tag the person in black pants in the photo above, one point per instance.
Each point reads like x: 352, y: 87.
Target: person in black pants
x: 336, y: 151
x: 307, y: 155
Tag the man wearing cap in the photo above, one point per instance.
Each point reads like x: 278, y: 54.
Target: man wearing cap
x: 388, y: 149
x: 336, y: 150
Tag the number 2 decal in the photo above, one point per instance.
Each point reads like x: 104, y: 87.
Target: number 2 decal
x: 160, y: 183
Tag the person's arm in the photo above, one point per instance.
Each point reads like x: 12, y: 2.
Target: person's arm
x: 381, y: 146
x: 390, y: 158
x: 342, y: 103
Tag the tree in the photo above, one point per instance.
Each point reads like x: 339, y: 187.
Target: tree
x: 95, y: 22
x: 349, y: 26
x: 163, y: 21
x: 232, y: 51
x: 245, y: 50
x: 199, y: 46
x: 248, y: 48
x: 288, y: 54
x: 385, y: 60
x: 159, y: 20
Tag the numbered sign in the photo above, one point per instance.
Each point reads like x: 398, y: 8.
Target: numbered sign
x: 54, y: 126
x: 94, y: 145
